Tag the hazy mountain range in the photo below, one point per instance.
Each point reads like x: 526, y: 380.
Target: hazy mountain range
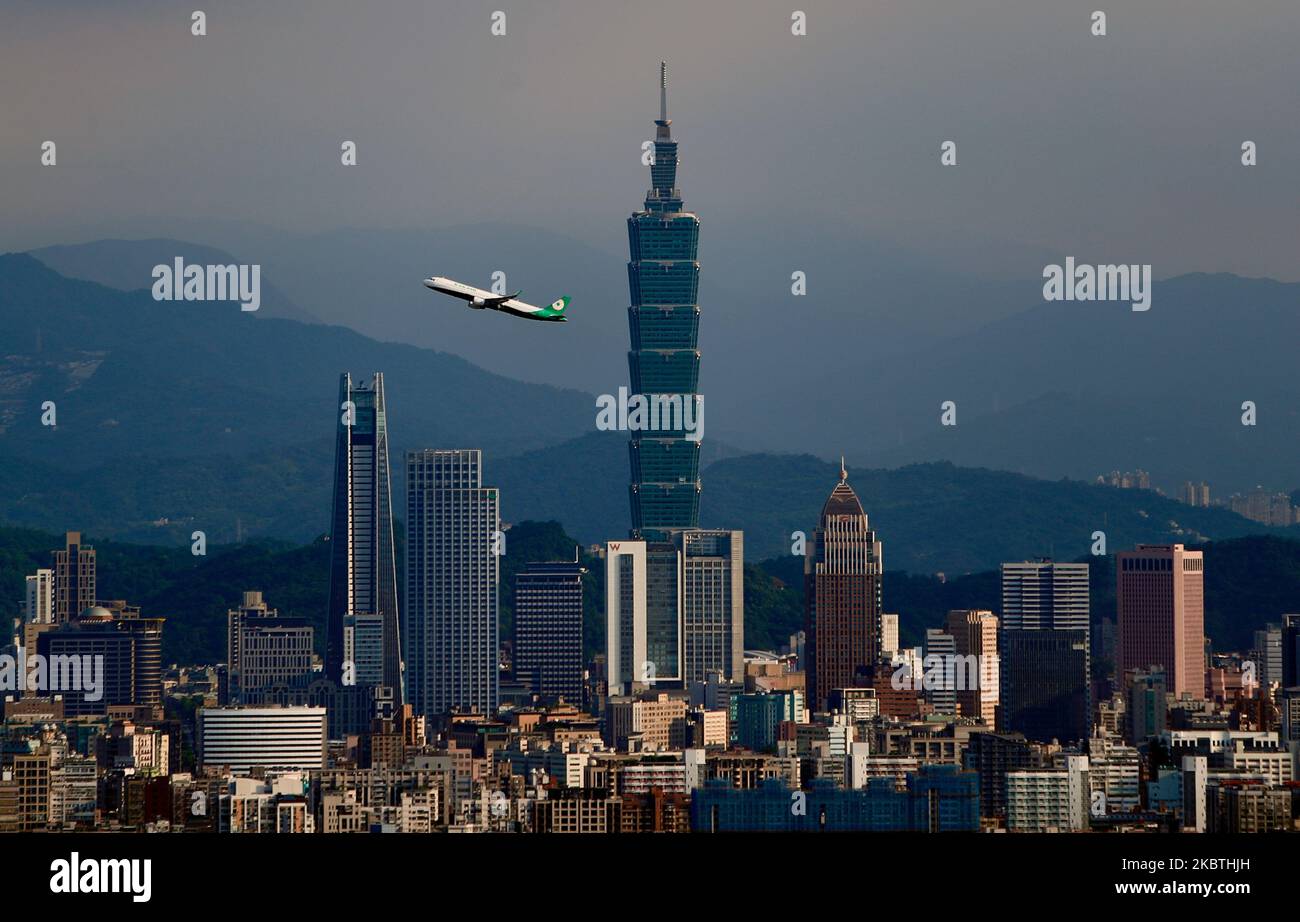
x: 860, y: 365
x: 174, y: 416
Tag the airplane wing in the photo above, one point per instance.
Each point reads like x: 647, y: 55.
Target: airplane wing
x: 495, y: 303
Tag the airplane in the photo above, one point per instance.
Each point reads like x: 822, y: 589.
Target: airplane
x: 479, y: 299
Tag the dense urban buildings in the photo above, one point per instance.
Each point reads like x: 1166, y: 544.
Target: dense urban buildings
x: 1022, y: 701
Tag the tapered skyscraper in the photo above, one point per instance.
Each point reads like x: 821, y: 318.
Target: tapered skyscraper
x: 842, y: 570
x: 363, y: 618
x: 664, y: 362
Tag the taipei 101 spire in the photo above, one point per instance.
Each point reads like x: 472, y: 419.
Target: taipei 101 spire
x: 664, y: 360
x: 663, y: 94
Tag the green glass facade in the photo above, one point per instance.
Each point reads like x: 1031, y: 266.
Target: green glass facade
x: 664, y: 318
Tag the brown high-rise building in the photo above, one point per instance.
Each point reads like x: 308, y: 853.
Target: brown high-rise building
x: 976, y: 635
x: 1160, y: 597
x: 842, y: 567
x: 74, y: 578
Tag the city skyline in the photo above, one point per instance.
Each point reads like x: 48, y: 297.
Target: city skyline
x: 566, y: 612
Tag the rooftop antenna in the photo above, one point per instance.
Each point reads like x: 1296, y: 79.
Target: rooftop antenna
x: 663, y: 91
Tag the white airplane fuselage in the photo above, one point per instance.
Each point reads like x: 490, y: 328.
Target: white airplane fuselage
x: 480, y: 299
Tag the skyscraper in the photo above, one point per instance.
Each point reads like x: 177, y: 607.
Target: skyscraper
x: 713, y: 603
x: 625, y: 614
x: 940, y: 665
x: 452, y: 576
x: 1044, y: 595
x: 675, y: 610
x: 548, y: 630
x: 976, y: 635
x: 74, y: 578
x: 363, y: 568
x: 1266, y: 652
x: 1160, y: 599
x: 38, y: 606
x: 1044, y: 658
x: 1290, y: 650
x: 664, y: 361
x: 842, y: 570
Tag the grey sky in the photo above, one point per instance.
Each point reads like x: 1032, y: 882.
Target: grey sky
x: 1118, y: 148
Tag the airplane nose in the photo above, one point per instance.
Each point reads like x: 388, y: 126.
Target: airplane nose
x: 428, y: 283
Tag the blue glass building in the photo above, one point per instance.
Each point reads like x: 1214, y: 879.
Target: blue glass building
x: 362, y: 619
x: 938, y: 798
x: 664, y: 361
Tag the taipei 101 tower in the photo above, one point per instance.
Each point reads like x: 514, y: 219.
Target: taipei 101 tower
x: 664, y: 361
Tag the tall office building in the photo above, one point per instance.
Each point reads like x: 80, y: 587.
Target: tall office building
x: 38, y: 603
x: 1160, y: 599
x: 664, y: 644
x: 940, y: 671
x: 363, y: 567
x: 1266, y: 653
x: 74, y: 578
x: 268, y: 658
x: 38, y: 607
x: 664, y: 361
x: 1044, y: 595
x: 1043, y: 650
x: 888, y: 634
x: 713, y: 603
x: 548, y: 630
x: 675, y: 610
x: 1290, y: 651
x: 842, y: 570
x: 975, y: 634
x: 1147, y: 708
x: 625, y: 616
x: 452, y: 578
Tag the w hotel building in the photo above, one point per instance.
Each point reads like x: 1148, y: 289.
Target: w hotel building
x: 1160, y: 596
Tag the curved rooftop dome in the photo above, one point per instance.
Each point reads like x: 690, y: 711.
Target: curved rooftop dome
x: 842, y: 501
